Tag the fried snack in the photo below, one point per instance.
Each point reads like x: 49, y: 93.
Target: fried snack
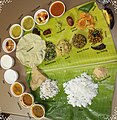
x: 86, y: 21
x: 37, y: 79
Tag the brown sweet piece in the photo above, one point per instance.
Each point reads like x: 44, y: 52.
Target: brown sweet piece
x: 46, y: 32
x: 70, y: 21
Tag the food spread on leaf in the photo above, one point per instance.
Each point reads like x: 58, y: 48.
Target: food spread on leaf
x: 63, y: 49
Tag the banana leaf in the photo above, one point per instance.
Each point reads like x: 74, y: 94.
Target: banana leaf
x: 58, y: 108
x: 87, y: 7
x: 60, y: 30
x: 65, y: 68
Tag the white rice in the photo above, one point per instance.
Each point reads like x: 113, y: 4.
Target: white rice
x: 81, y: 90
x: 48, y: 89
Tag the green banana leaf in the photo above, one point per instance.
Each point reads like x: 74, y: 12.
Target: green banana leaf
x: 58, y: 109
x: 64, y: 69
x: 87, y: 7
x: 85, y: 55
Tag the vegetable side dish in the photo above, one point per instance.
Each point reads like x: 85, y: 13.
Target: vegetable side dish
x: 79, y: 41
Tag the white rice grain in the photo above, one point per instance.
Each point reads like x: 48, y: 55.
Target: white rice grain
x: 48, y: 89
x: 81, y: 90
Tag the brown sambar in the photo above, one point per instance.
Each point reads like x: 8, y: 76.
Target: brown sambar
x: 57, y: 8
